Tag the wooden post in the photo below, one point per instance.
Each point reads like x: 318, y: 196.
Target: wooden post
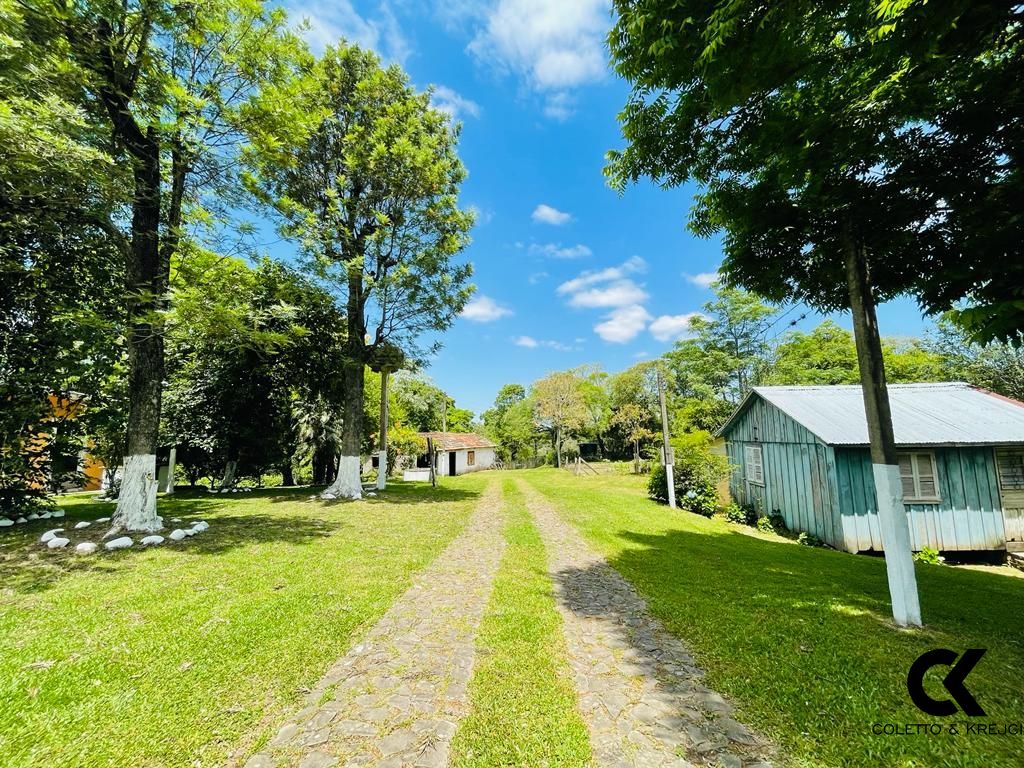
x: 667, y: 447
x: 892, y: 516
x: 382, y: 455
x: 432, y: 457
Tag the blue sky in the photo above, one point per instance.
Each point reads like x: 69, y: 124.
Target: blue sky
x: 567, y: 271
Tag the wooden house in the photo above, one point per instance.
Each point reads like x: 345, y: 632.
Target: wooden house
x: 803, y: 452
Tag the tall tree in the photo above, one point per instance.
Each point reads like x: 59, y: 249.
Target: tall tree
x: 560, y: 407
x: 796, y: 124
x: 997, y: 366
x: 168, y: 79
x: 371, y: 196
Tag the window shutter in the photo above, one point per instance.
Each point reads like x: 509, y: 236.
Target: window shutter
x: 927, y: 488
x: 755, y: 465
x: 907, y: 476
x: 1011, y: 469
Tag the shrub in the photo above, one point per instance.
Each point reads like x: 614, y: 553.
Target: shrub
x: 695, y: 489
x: 929, y: 556
x: 809, y: 540
x: 697, y: 473
x: 734, y: 513
x: 772, y: 524
x: 743, y: 514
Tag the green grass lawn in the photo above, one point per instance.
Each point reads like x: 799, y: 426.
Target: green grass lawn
x: 523, y: 706
x: 800, y: 638
x: 182, y: 654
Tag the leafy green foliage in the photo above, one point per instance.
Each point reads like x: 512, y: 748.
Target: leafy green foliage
x: 816, y: 128
x: 929, y: 556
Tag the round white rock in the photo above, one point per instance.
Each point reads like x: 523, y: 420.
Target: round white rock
x: 86, y: 548
x: 121, y: 543
x: 58, y: 543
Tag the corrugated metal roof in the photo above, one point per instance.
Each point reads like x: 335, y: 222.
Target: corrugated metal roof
x: 457, y: 441
x: 951, y: 413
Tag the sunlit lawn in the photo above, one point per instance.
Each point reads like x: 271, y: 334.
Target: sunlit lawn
x: 800, y: 637
x: 522, y: 703
x: 184, y: 654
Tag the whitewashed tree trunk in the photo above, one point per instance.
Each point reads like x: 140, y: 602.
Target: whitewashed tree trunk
x: 348, y: 484
x: 229, y: 475
x: 171, y: 461
x: 382, y: 470
x: 136, y: 504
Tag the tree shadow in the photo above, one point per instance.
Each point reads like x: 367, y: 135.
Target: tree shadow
x: 801, y: 638
x: 26, y: 565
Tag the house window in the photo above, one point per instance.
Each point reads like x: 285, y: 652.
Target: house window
x: 918, y: 477
x: 755, y: 466
x: 1011, y: 469
x: 470, y: 458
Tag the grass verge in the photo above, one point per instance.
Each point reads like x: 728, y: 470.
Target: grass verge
x: 180, y: 654
x: 800, y: 638
x: 523, y: 705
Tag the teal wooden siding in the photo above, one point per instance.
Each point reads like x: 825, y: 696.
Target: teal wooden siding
x: 830, y: 491
x: 968, y: 516
x: 799, y: 472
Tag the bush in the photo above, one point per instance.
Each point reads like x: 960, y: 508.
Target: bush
x: 744, y: 515
x: 929, y: 556
x: 697, y: 473
x: 772, y: 524
x: 695, y: 490
x: 809, y: 540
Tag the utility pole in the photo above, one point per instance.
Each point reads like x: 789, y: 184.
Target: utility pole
x: 892, y: 516
x: 444, y: 413
x: 382, y: 455
x: 666, y: 447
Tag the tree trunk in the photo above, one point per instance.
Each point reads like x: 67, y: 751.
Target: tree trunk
x: 636, y: 457
x: 230, y: 469
x: 382, y: 461
x: 147, y: 284
x: 558, y: 447
x: 348, y: 483
x: 892, y: 516
x: 287, y: 475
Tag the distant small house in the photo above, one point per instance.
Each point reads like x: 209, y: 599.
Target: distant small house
x: 803, y: 451
x: 457, y: 453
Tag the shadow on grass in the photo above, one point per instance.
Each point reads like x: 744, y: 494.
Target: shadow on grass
x: 802, y: 638
x: 28, y: 566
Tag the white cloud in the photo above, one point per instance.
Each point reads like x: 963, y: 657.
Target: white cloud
x: 702, y: 279
x: 617, y: 294
x: 545, y: 214
x: 632, y: 265
x: 484, y: 309
x: 672, y: 327
x: 536, y: 277
x: 552, y: 46
x: 556, y: 251
x: 531, y: 343
x: 455, y: 104
x: 330, y: 21
x: 623, y: 324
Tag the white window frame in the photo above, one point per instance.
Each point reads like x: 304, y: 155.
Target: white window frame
x: 918, y: 497
x: 748, y: 452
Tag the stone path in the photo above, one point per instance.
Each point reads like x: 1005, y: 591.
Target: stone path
x: 639, y: 689
x: 395, y: 698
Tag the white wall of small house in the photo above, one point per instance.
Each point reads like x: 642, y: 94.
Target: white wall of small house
x: 484, y: 459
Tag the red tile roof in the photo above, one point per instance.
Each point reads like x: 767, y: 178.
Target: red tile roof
x: 457, y: 441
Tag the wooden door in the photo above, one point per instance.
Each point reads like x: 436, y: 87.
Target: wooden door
x: 1010, y: 468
